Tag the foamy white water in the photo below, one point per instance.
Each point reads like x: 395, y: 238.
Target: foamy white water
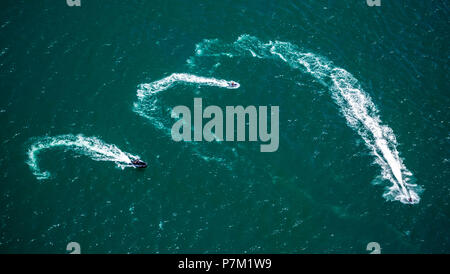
x: 169, y: 81
x: 147, y: 101
x: 147, y: 104
x: 355, y: 104
x: 92, y: 147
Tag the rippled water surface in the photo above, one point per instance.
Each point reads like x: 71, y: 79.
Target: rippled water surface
x: 364, y: 136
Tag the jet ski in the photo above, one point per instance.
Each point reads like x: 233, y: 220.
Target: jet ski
x: 139, y: 164
x: 233, y: 84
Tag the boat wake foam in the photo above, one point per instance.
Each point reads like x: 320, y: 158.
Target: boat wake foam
x: 147, y: 104
x: 169, y: 81
x: 92, y: 147
x: 354, y: 103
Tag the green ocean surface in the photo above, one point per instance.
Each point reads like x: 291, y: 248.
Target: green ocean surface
x: 364, y: 105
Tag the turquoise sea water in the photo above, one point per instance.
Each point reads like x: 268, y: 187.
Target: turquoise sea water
x: 364, y: 133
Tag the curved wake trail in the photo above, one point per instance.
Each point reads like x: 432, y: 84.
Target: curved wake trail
x: 146, y: 105
x: 147, y: 99
x: 169, y: 81
x: 93, y: 147
x: 355, y: 104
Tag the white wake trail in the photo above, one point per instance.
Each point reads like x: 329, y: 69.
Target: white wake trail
x: 355, y: 104
x: 147, y: 104
x: 169, y: 81
x: 92, y: 147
